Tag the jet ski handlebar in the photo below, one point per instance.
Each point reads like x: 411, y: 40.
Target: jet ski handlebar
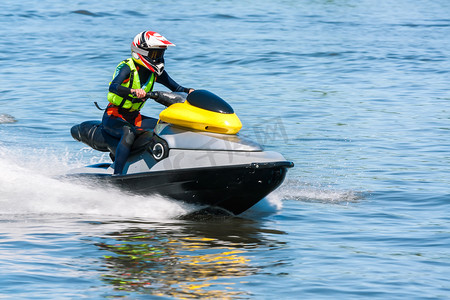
x: 165, y: 98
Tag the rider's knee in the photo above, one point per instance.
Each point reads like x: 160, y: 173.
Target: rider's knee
x: 128, y: 136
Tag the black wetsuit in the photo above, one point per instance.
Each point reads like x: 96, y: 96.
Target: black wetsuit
x: 122, y: 125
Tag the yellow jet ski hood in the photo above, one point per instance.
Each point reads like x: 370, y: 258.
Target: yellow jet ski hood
x: 203, y: 111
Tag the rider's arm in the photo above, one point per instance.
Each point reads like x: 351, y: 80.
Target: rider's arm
x: 167, y: 81
x: 122, y: 73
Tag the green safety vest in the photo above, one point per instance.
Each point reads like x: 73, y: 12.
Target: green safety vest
x: 133, y: 83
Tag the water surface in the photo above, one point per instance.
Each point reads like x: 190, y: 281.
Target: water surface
x: 354, y: 92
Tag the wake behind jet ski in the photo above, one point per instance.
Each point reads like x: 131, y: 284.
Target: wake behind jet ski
x: 194, y: 154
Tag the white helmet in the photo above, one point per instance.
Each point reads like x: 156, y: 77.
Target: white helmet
x: 147, y: 49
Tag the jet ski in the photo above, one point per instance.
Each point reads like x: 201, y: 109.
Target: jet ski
x: 193, y: 154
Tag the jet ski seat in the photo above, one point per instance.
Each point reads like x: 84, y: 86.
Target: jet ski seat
x: 92, y: 134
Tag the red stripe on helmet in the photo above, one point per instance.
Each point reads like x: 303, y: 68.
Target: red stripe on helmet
x: 145, y: 63
x: 159, y: 37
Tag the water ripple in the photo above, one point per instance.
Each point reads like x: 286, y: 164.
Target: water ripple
x: 84, y: 12
x: 5, y: 118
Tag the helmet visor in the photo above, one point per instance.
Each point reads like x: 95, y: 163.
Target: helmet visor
x: 151, y: 54
x: 155, y: 55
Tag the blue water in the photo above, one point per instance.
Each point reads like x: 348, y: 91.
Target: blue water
x: 356, y: 93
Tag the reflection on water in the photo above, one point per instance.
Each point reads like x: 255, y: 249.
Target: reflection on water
x: 185, y: 259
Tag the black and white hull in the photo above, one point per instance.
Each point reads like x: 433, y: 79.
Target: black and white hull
x: 203, y: 168
x: 194, y: 154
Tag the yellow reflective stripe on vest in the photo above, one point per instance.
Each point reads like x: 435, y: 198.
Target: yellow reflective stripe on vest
x: 133, y: 83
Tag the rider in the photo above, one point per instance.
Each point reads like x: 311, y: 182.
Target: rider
x: 132, y: 80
